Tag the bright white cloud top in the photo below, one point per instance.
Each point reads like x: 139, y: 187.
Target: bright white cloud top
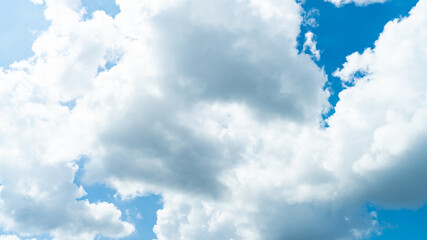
x: 210, y: 105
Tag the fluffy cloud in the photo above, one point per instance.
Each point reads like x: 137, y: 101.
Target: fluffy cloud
x: 222, y: 117
x: 9, y: 237
x: 202, y: 76
x: 295, y: 176
x: 387, y: 109
x: 38, y: 144
x: 211, y: 105
x: 339, y: 3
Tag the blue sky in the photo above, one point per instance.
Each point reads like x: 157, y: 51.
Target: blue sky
x: 21, y: 23
x: 157, y: 145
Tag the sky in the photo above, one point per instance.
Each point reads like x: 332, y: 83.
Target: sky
x: 181, y: 119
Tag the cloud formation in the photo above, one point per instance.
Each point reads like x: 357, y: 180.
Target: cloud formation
x: 387, y: 107
x: 210, y: 105
x: 41, y: 140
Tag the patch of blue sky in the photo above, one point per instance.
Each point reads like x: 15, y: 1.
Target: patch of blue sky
x: 402, y: 224
x: 112, y: 59
x: 69, y: 104
x: 340, y: 32
x: 21, y: 22
x: 108, y: 65
x: 108, y: 6
x: 140, y: 211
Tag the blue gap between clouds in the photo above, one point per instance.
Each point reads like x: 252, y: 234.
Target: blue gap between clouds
x: 20, y: 24
x: 340, y: 32
x: 140, y: 211
x: 348, y: 29
x: 402, y: 224
x: 69, y: 104
x: 109, y: 65
x: 108, y: 6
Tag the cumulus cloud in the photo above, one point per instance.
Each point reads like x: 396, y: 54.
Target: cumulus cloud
x: 38, y: 144
x: 210, y: 105
x: 205, y: 75
x: 387, y: 109
x: 339, y: 3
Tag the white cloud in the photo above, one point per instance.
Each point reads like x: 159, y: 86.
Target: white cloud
x: 210, y: 105
x: 41, y: 140
x: 201, y: 69
x: 372, y: 151
x: 339, y: 3
x: 387, y: 110
x: 310, y: 45
x: 9, y: 237
x: 221, y: 116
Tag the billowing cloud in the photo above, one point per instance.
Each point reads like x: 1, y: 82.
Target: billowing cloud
x: 387, y: 109
x: 210, y: 105
x: 193, y: 78
x: 39, y: 144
